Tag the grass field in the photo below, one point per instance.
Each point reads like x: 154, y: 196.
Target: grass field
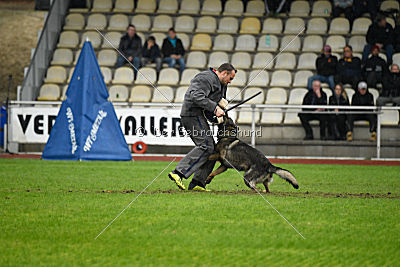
x: 52, y: 211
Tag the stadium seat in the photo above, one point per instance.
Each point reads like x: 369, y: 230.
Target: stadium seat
x: 96, y: 21
x: 201, y: 41
x: 258, y: 78
x: 241, y: 60
x: 107, y: 75
x: 360, y: 26
x: 140, y: 94
x: 223, y: 42
x: 167, y: 7
x: 250, y: 26
x: 146, y: 76
x: 290, y: 43
x: 93, y: 37
x: 248, y: 92
x: 74, y: 22
x: 234, y: 94
x: 159, y: 36
x: 281, y: 78
x: 228, y: 25
x: 184, y: 24
x: 146, y: 6
x: 391, y: 21
x: 321, y: 9
x: 375, y: 93
x: 299, y: 9
x: 101, y: 6
x: 276, y: 96
x: 317, y: 26
x: 307, y: 61
x: 339, y: 26
x: 285, y: 60
x: 263, y: 60
x: 123, y: 75
x: 389, y: 4
x: 163, y: 94
x: 49, y: 92
x: 272, y: 26
x: 294, y: 26
x: 196, y: 59
x: 301, y: 78
x: 113, y: 37
x: 268, y: 43
x: 169, y: 76
x: 245, y: 42
x: 336, y: 42
x: 56, y: 74
x: 240, y: 79
x: 118, y: 93
x: 64, y: 91
x: 188, y: 75
x: 246, y: 117
x: 118, y: 22
x: 233, y: 8
x: 180, y: 94
x: 215, y: 59
x: 162, y: 23
x: 396, y: 59
x: 68, y: 39
x: 390, y: 117
x: 206, y: 24
x: 271, y: 116
x: 142, y: 22
x: 107, y: 57
x: 350, y: 92
x: 124, y: 6
x: 295, y: 98
x: 313, y: 43
x: 70, y: 73
x: 357, y: 43
x: 184, y: 39
x: 190, y: 7
x: 255, y: 8
x: 211, y: 7
x: 62, y: 56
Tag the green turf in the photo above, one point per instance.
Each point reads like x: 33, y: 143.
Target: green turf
x: 51, y: 212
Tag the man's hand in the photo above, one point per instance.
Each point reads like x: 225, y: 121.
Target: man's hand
x: 379, y: 45
x: 219, y: 111
x: 130, y: 58
x: 318, y: 93
x: 176, y: 56
x: 223, y: 103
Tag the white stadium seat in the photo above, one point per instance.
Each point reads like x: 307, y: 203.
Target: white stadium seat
x: 68, y: 39
x: 56, y: 74
x: 313, y: 43
x: 290, y: 43
x: 357, y: 43
x: 180, y: 93
x: 390, y: 117
x: 317, y: 26
x: 107, y: 75
x: 190, y: 7
x: 118, y: 93
x: 245, y: 42
x: 141, y: 22
x: 295, y: 98
x: 123, y: 75
x: 96, y: 21
x: 281, y: 78
x: 241, y: 60
x: 272, y: 26
x: 196, y: 59
x: 62, y: 56
x: 93, y: 37
x: 360, y: 26
x: 294, y: 26
x: 228, y: 25
x: 206, y: 24
x: 146, y: 76
x: 336, y: 42
x: 146, y: 6
x: 263, y: 60
x: 124, y: 6
x: 276, y: 96
x: 211, y: 7
x: 188, y: 75
x: 301, y: 78
x: 255, y: 8
x: 163, y: 94
x: 107, y: 57
x: 258, y: 78
x: 299, y: 9
x: 223, y: 42
x: 307, y: 61
x: 74, y: 22
x: 248, y: 92
x: 268, y: 43
x: 101, y: 6
x: 233, y: 8
x: 240, y: 79
x: 217, y: 58
x: 285, y: 60
x: 169, y: 76
x: 113, y: 37
x: 184, y: 24
x: 339, y: 26
x: 234, y: 94
x: 118, y: 22
x: 140, y: 94
x: 49, y: 92
x: 321, y: 9
x: 167, y: 7
x: 162, y: 23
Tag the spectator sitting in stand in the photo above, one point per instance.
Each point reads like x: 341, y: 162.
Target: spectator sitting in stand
x: 374, y: 68
x: 337, y: 122
x: 396, y: 39
x: 173, y: 50
x: 363, y: 6
x: 343, y: 6
x: 326, y: 69
x: 362, y: 98
x: 391, y: 87
x: 348, y: 68
x: 131, y: 47
x: 151, y: 53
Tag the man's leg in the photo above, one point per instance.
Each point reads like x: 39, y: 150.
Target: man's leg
x: 120, y: 61
x: 136, y: 63
x: 305, y: 118
x: 365, y: 54
x: 396, y: 100
x: 182, y: 65
x: 170, y: 61
x: 383, y: 100
x: 158, y: 64
x: 331, y: 82
x: 389, y: 54
x: 144, y: 61
x: 322, y: 126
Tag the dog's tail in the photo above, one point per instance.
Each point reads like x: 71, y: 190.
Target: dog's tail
x: 285, y: 174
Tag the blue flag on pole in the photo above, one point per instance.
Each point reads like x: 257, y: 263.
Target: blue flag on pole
x: 86, y: 127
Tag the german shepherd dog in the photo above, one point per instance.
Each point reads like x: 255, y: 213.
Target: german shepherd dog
x: 233, y: 153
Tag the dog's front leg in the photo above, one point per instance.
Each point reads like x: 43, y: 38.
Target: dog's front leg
x: 219, y: 170
x: 266, y: 187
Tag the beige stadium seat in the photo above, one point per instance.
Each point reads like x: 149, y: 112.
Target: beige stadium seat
x: 146, y: 76
x: 211, y: 7
x: 141, y: 22
x: 396, y: 59
x: 107, y: 57
x: 96, y: 21
x: 146, y: 6
x: 360, y: 26
x: 339, y: 26
x: 336, y: 42
x: 250, y: 26
x: 317, y: 26
x: 233, y: 8
x: 290, y: 43
x: 307, y: 61
x: 68, y: 39
x: 180, y: 94
x: 124, y: 6
x: 185, y: 39
x: 49, y: 92
x: 281, y: 78
x: 245, y: 42
x: 357, y: 43
x: 163, y: 94
x: 188, y: 75
x: 201, y: 41
x: 93, y: 36
x: 228, y: 25
x: 299, y: 9
x: 389, y: 4
x: 286, y: 61
x: 101, y: 6
x: 113, y: 37
x: 268, y: 43
x: 196, y: 59
x: 258, y: 78
x: 118, y: 22
x: 248, y: 92
x: 350, y: 92
x: 162, y: 23
x: 241, y: 60
x: 313, y: 43
x: 276, y: 96
x: 263, y: 60
x: 190, y: 7
x: 56, y: 74
x: 206, y: 24
x: 223, y: 42
x: 375, y: 93
x: 294, y: 26
x: 301, y: 78
x: 76, y: 56
x: 234, y: 94
x: 140, y: 94
x: 159, y: 36
x: 328, y: 93
x: 217, y: 58
x: 295, y: 98
x: 64, y: 91
x: 246, y: 117
x: 240, y: 79
x: 70, y: 73
x: 184, y: 24
x: 107, y: 75
x: 118, y: 93
x: 391, y: 22
x: 255, y: 8
x: 167, y: 7
x: 272, y: 26
x: 321, y: 9
x: 62, y: 56
x: 271, y: 116
x: 390, y: 117
x: 123, y: 75
x: 74, y: 22
x: 169, y: 76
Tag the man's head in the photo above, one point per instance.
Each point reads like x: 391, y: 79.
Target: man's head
x: 348, y: 51
x: 394, y: 68
x: 172, y: 33
x: 316, y: 86
x: 226, y: 72
x: 381, y: 20
x: 375, y: 50
x: 327, y: 50
x: 151, y: 40
x: 131, y: 30
x: 362, y: 88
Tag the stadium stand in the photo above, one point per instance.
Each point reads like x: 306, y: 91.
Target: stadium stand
x: 118, y: 93
x: 163, y: 94
x: 140, y: 93
x: 233, y: 8
x: 124, y: 6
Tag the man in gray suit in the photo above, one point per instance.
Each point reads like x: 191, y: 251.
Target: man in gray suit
x: 207, y: 92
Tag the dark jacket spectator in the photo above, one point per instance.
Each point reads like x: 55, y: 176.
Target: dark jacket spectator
x: 391, y: 87
x: 348, y: 68
x: 152, y: 53
x: 374, y: 68
x: 130, y: 46
x: 396, y: 38
x: 337, y: 122
x: 378, y: 34
x: 343, y: 6
x: 169, y: 49
x: 311, y: 99
x: 338, y: 100
x: 326, y: 66
x: 362, y: 100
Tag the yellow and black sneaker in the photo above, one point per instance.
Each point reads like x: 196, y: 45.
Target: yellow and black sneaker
x: 177, y: 179
x: 349, y: 136
x: 373, y: 137
x: 196, y: 186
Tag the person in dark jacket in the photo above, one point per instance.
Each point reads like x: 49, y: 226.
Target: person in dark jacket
x: 363, y: 6
x: 151, y: 53
x: 391, y: 87
x: 326, y: 68
x: 348, y: 68
x: 173, y: 51
x: 343, y: 6
x: 131, y: 47
x: 362, y: 98
x: 207, y: 92
x: 374, y: 68
x: 337, y: 122
x: 396, y: 38
x: 381, y: 34
x: 314, y: 97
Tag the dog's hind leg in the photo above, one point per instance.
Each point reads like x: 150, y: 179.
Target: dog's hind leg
x: 213, y: 156
x: 219, y: 170
x: 266, y: 186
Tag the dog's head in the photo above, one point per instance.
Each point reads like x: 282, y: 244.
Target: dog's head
x: 227, y: 128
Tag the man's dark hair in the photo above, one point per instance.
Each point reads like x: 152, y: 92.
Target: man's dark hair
x: 131, y: 25
x: 348, y: 46
x: 379, y: 17
x: 171, y: 29
x: 228, y: 67
x: 151, y: 37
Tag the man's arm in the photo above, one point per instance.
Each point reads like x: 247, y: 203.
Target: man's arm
x: 199, y: 91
